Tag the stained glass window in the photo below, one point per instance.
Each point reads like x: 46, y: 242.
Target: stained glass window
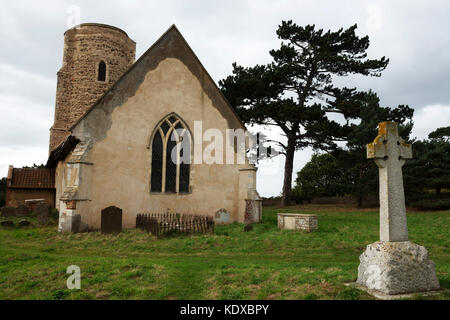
x: 184, y: 167
x: 171, y: 166
x: 157, y: 159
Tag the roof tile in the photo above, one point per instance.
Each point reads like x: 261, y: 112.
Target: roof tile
x: 40, y: 178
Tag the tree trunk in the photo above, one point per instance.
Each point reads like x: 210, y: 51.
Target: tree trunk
x: 360, y: 199
x: 360, y: 195
x: 288, y: 168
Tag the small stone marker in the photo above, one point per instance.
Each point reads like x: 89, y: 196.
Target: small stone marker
x: 111, y: 220
x: 31, y: 203
x: 252, y: 211
x: 222, y: 216
x: 7, y: 223
x: 297, y: 221
x: 394, y: 265
x: 24, y: 223
x: 42, y: 210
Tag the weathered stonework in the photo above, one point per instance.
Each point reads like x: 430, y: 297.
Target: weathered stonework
x: 42, y: 210
x: 396, y: 268
x: 78, y: 88
x: 295, y: 221
x: 222, y: 216
x: 390, y: 152
x: 394, y: 265
x: 72, y: 205
x: 253, y: 203
x: 8, y: 211
x: 22, y: 210
x: 253, y: 211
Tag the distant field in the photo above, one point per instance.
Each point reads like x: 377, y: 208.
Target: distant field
x: 265, y: 263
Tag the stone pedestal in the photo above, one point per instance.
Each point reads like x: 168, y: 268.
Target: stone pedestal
x: 253, y: 211
x: 297, y: 221
x: 69, y: 222
x: 396, y: 268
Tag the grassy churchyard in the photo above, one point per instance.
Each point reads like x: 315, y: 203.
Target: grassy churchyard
x: 265, y: 263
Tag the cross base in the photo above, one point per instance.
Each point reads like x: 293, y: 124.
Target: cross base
x: 384, y: 296
x: 396, y: 268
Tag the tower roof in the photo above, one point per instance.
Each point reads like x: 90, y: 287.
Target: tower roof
x: 92, y: 24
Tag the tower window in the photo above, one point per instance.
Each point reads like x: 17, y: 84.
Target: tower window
x: 102, y: 71
x: 171, y: 157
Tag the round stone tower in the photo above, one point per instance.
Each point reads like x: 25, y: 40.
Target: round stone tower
x: 95, y: 56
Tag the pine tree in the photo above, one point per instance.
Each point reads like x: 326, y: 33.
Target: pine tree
x: 296, y: 90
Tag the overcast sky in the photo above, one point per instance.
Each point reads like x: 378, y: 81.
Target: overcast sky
x: 413, y: 34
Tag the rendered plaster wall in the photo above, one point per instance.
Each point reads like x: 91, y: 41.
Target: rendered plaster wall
x: 121, y: 157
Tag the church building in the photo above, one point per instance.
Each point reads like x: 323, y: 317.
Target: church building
x: 126, y: 133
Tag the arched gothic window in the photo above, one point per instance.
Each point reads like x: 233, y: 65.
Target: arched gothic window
x: 101, y: 71
x: 171, y: 156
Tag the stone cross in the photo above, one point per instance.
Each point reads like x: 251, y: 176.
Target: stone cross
x: 389, y: 152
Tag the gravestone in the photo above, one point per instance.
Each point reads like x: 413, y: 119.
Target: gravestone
x: 253, y: 209
x: 7, y: 223
x: 222, y: 216
x: 394, y: 265
x: 41, y: 210
x: 24, y: 223
x: 76, y: 223
x: 8, y: 211
x: 31, y: 203
x: 248, y: 227
x: 23, y: 210
x: 111, y: 220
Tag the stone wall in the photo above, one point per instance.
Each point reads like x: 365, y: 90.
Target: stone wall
x: 78, y: 88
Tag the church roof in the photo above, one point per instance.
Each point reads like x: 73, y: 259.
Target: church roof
x: 60, y: 152
x: 170, y: 45
x: 32, y: 178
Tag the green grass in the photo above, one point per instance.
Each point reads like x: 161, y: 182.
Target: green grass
x: 266, y: 263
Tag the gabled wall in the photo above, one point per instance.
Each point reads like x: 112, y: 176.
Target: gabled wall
x: 112, y: 163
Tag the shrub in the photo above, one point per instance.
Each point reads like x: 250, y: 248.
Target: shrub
x: 54, y: 214
x: 432, y: 204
